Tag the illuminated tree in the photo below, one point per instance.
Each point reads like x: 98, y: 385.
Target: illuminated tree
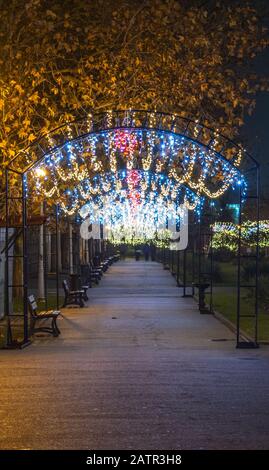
x: 58, y: 59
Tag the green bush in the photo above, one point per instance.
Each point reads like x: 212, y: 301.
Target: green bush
x: 263, y: 289
x: 216, y: 270
x: 223, y: 255
x: 249, y: 269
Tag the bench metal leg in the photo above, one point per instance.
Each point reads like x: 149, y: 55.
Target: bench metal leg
x: 53, y: 330
x: 44, y: 329
x: 65, y: 300
x: 76, y: 299
x: 55, y: 327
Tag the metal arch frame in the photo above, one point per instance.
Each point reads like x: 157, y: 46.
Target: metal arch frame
x: 180, y: 126
x: 146, y: 129
x: 81, y: 126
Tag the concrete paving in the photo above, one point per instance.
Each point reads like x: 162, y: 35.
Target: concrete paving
x: 138, y: 368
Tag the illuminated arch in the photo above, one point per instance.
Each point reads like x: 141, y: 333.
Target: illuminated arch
x: 197, y: 160
x: 183, y: 150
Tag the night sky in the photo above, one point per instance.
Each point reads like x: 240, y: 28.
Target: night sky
x: 256, y: 131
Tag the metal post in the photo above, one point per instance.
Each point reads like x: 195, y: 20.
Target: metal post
x: 41, y: 264
x: 180, y: 281
x: 257, y: 253
x: 245, y: 343
x: 57, y: 255
x: 78, y: 261
x: 178, y: 253
x: 199, y: 249
x: 59, y: 247
x: 25, y: 260
x: 184, y: 273
x: 71, y: 262
x: 49, y: 250
x: 239, y: 270
x: 45, y: 235
x: 7, y: 300
x: 211, y: 256
x: 193, y: 258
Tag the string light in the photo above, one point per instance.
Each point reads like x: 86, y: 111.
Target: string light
x: 137, y: 176
x: 225, y: 235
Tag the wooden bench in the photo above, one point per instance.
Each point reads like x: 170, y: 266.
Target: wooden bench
x: 44, y: 315
x: 96, y: 270
x: 87, y: 276
x: 73, y: 297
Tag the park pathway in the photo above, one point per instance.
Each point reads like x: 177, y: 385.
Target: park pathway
x: 138, y: 368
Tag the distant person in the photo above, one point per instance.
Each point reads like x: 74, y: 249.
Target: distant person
x: 137, y: 254
x: 153, y: 251
x: 122, y: 251
x: 146, y: 252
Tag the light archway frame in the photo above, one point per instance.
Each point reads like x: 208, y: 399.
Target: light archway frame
x: 204, y: 136
x: 210, y: 140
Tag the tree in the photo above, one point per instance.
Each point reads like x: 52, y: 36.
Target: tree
x: 60, y: 59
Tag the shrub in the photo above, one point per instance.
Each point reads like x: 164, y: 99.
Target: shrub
x: 249, y: 269
x: 216, y: 270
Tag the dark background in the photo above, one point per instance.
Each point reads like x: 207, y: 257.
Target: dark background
x: 255, y: 133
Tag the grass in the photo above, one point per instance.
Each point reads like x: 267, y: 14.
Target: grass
x: 51, y: 303
x: 2, y: 333
x: 226, y: 270
x: 228, y: 273
x: 226, y: 304
x: 225, y: 300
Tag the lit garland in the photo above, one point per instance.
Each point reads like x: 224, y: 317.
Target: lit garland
x: 137, y: 177
x: 123, y: 202
x: 160, y: 240
x: 133, y: 179
x: 225, y: 235
x: 126, y: 142
x: 183, y: 161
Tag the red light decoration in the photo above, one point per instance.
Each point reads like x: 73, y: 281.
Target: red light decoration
x: 126, y: 142
x: 133, y: 180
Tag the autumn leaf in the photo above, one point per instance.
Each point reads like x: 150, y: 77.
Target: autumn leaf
x: 170, y: 56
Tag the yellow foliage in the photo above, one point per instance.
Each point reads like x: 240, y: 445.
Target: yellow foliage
x: 168, y: 55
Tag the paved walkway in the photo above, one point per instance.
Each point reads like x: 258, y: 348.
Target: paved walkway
x: 139, y: 368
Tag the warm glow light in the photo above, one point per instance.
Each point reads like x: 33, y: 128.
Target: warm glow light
x: 135, y: 179
x: 40, y: 172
